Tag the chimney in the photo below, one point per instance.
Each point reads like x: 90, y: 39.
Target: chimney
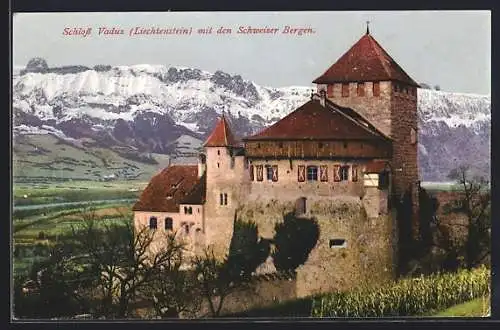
x: 202, y: 165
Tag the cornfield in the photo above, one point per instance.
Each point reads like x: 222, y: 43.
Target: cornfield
x: 407, y: 297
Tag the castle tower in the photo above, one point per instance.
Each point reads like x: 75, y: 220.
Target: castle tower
x: 224, y: 175
x: 367, y: 79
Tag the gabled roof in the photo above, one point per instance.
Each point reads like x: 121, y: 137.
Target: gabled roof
x: 366, y: 60
x: 167, y: 189
x: 221, y: 136
x: 197, y: 195
x: 314, y: 121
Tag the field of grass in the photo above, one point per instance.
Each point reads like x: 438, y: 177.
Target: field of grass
x: 38, y: 157
x: 33, y: 237
x: 73, y: 191
x: 479, y: 307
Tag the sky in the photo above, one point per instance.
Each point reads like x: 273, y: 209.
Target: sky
x: 451, y: 49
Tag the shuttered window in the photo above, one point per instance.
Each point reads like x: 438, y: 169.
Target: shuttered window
x: 354, y: 173
x: 329, y: 90
x: 376, y: 88
x: 345, y: 89
x: 301, y: 173
x: 323, y: 173
x: 260, y: 172
x: 361, y: 89
x: 336, y: 173
x: 275, y: 173
x: 251, y: 173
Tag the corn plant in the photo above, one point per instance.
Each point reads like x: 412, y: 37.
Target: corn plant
x: 407, y: 297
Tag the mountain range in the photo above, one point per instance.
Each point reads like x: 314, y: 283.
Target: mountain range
x: 130, y: 121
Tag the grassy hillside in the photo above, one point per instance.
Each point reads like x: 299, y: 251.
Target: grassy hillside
x: 45, y: 157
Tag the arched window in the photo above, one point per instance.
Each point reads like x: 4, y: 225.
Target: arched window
x: 153, y: 223
x: 169, y: 223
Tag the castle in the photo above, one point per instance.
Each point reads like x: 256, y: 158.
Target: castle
x: 337, y: 158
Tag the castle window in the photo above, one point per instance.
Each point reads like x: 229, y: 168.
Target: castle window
x: 323, y: 173
x: 260, y: 172
x: 198, y: 210
x: 185, y: 210
x: 218, y: 165
x: 251, y: 173
x: 413, y: 136
x: 329, y: 90
x: 376, y: 88
x: 225, y: 199
x: 218, y: 152
x: 354, y: 173
x: 269, y: 173
x: 190, y: 210
x: 338, y: 243
x: 153, y: 223
x: 361, y: 89
x: 221, y: 199
x: 312, y: 173
x: 169, y: 223
x: 383, y: 180
x: 344, y: 173
x: 300, y: 206
x: 345, y: 89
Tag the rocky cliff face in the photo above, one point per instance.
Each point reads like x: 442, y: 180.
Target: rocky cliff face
x: 147, y: 108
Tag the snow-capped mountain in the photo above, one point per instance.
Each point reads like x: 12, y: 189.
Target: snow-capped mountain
x: 154, y: 108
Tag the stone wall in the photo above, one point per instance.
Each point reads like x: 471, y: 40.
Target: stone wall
x: 228, y: 176
x: 289, y: 188
x: 368, y: 254
x: 263, y: 291
x: 376, y: 109
x: 394, y: 112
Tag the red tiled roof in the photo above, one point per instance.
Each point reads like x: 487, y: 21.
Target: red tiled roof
x: 167, y: 189
x: 221, y: 135
x: 366, y: 60
x: 197, y: 195
x: 313, y: 121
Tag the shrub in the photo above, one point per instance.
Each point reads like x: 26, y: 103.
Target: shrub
x: 408, y: 297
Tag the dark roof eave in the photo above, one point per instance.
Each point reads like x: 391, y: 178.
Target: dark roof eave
x: 266, y: 138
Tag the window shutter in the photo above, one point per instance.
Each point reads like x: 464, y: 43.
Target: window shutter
x: 354, y: 173
x: 260, y: 172
x: 301, y: 173
x: 275, y: 173
x: 345, y: 89
x: 323, y: 173
x: 251, y: 173
x: 376, y: 88
x: 329, y: 90
x: 336, y: 173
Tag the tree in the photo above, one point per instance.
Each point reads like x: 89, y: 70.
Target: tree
x: 294, y: 239
x: 474, y: 201
x: 216, y: 280
x: 126, y: 260
x: 173, y: 290
x: 247, y: 250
